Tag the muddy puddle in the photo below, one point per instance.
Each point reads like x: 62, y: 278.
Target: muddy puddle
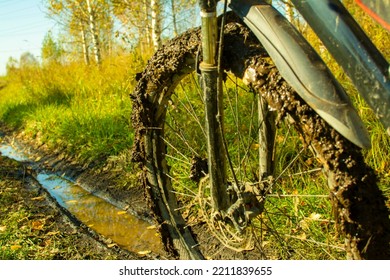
x: 118, y: 225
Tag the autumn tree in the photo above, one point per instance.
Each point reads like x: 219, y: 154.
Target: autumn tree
x: 51, y: 51
x: 27, y: 60
x: 182, y: 14
x: 134, y: 16
x: 148, y: 21
x: 89, y: 22
x: 12, y: 66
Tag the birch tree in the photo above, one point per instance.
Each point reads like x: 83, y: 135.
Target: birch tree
x: 155, y: 7
x: 86, y: 20
x: 135, y: 18
x: 84, y: 43
x: 182, y: 15
x: 174, y: 18
x: 148, y: 22
x: 90, y: 13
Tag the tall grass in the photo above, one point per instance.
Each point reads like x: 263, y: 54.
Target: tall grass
x: 84, y: 111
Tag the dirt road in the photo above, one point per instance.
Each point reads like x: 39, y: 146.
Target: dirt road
x: 33, y: 226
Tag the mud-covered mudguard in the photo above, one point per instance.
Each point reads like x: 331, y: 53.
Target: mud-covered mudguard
x: 302, y: 68
x: 353, y: 50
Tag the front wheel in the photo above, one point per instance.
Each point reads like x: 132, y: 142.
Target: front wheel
x: 317, y: 200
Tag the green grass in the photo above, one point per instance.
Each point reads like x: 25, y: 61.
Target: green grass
x: 24, y: 233
x: 83, y: 111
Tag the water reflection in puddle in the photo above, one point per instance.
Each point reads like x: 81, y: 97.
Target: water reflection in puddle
x: 121, y: 227
x: 10, y: 152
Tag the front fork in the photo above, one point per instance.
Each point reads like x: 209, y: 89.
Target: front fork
x: 211, y: 83
x: 221, y: 193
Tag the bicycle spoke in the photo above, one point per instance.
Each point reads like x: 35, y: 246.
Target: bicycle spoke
x: 174, y: 148
x: 178, y: 159
x: 191, y: 110
x: 179, y: 134
x: 181, y: 184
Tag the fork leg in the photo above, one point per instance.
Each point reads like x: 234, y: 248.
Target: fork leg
x: 213, y: 105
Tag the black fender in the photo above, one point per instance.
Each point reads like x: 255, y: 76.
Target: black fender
x: 353, y: 50
x: 302, y: 68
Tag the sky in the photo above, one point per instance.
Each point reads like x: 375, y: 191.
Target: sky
x: 23, y: 25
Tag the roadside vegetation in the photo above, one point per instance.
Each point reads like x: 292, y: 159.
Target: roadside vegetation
x: 83, y: 110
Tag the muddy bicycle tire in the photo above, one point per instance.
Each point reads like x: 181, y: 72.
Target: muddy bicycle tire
x: 353, y: 215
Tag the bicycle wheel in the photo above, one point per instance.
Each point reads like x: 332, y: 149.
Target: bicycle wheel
x: 319, y: 201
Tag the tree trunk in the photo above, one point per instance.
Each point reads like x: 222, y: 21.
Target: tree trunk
x: 145, y: 31
x: 84, y: 43
x: 173, y: 9
x: 156, y: 23
x: 95, y: 36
